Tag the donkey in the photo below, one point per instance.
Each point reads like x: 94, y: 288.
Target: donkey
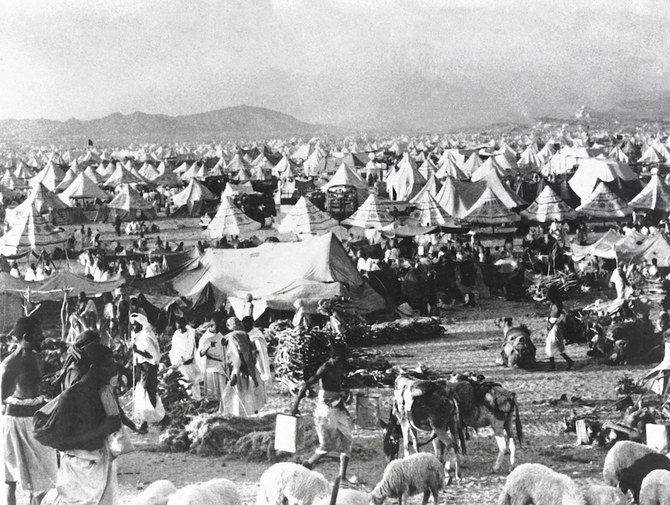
x: 478, y: 404
x: 426, y: 406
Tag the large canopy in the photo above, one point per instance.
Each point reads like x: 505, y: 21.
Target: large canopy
x: 230, y: 220
x: 31, y: 231
x: 604, y: 204
x: 279, y: 273
x: 490, y: 210
x: 654, y: 196
x: 548, y: 206
x: 593, y: 170
x: 370, y: 215
x: 306, y: 218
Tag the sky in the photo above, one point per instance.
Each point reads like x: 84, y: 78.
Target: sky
x: 429, y: 64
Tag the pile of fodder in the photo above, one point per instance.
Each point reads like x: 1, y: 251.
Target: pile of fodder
x: 246, y: 438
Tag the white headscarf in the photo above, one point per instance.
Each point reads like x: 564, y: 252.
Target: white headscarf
x: 145, y: 340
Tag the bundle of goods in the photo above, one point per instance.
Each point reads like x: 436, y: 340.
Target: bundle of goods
x: 298, y: 356
x: 541, y: 284
x: 394, y: 332
x: 250, y: 438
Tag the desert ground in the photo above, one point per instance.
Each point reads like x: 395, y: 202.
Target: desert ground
x: 471, y: 343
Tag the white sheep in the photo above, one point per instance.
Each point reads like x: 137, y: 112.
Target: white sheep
x: 655, y: 489
x: 292, y: 482
x: 194, y: 494
x: 628, y: 463
x: 346, y: 497
x: 224, y: 489
x: 156, y: 493
x: 537, y: 484
x: 420, y: 472
x: 604, y: 495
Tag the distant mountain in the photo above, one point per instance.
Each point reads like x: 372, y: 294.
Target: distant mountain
x: 237, y: 122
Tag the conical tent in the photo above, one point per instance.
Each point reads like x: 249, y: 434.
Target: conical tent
x: 65, y: 182
x: 128, y: 204
x: 50, y: 176
x: 487, y: 168
x: 472, y: 164
x: 122, y: 175
x: 194, y: 199
x: 40, y: 199
x: 548, y: 206
x: 604, y: 204
x: 490, y: 210
x: 654, y: 196
x: 450, y: 169
x: 93, y: 175
x: 9, y: 180
x: 456, y: 197
x: 427, y: 169
x: 429, y: 213
x: 345, y: 176
x: 84, y: 188
x: 504, y: 193
x: 431, y: 187
x: 370, y: 215
x: 305, y: 217
x: 31, y: 232
x: 149, y: 172
x: 407, y: 181
x: 230, y: 220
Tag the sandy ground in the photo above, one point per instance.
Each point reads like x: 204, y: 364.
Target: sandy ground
x: 471, y: 344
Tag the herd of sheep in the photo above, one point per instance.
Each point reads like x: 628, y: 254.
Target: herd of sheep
x: 629, y: 466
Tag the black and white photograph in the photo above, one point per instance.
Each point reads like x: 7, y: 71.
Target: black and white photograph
x: 334, y: 252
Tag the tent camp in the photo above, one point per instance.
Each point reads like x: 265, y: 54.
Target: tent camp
x: 345, y: 176
x: 279, y: 273
x: 429, y: 213
x: 306, y: 218
x: 31, y: 232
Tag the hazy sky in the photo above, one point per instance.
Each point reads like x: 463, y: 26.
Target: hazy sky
x: 428, y: 63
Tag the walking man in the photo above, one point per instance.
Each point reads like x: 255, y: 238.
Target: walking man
x: 334, y: 426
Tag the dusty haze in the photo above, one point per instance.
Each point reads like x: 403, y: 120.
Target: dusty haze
x: 361, y: 63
